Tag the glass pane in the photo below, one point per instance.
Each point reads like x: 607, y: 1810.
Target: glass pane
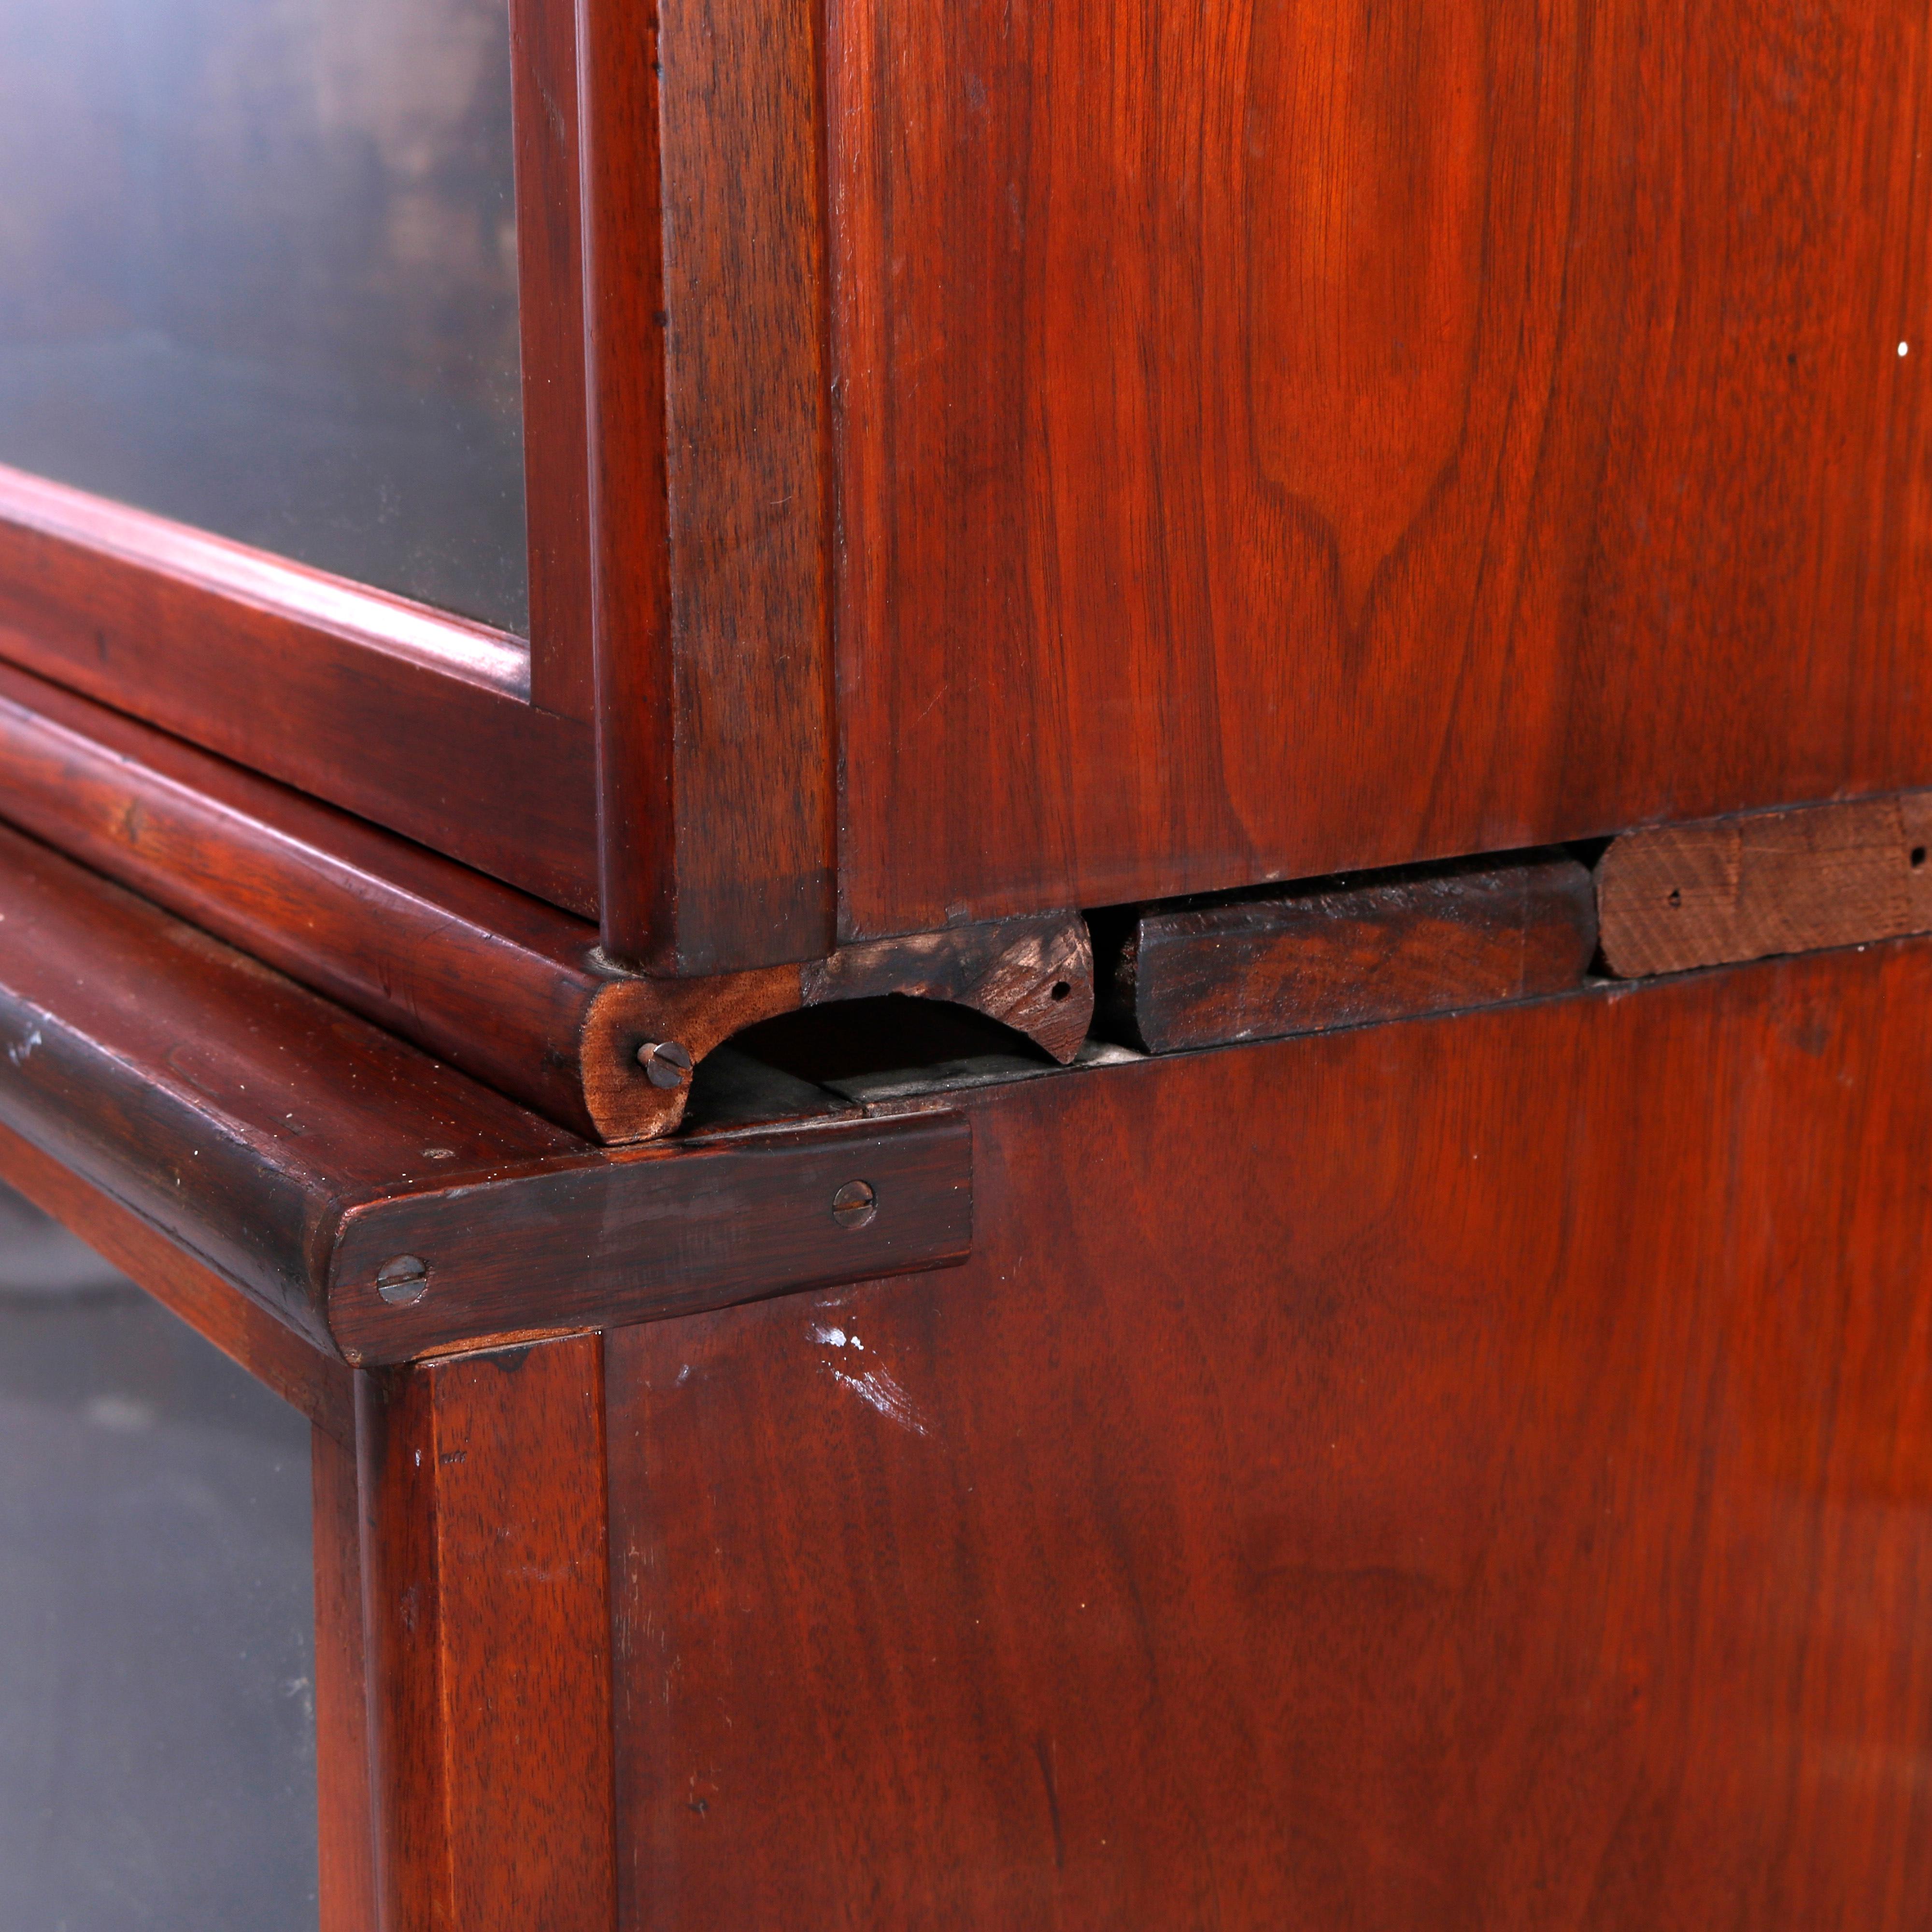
x: 257, y: 273
x: 157, y: 1615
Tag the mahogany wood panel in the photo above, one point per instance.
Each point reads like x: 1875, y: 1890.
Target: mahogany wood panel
x: 1279, y: 437
x: 653, y: 1233
x: 505, y: 987
x: 501, y: 985
x: 550, y: 266
x: 1683, y: 895
x: 230, y: 1108
x: 271, y: 1352
x: 298, y: 1152
x: 1348, y: 952
x: 744, y: 430
x: 483, y: 1550
x: 415, y: 720
x: 705, y: 312
x: 1471, y: 1473
x: 346, y: 1837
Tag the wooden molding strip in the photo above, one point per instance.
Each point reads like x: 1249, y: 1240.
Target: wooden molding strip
x: 484, y: 1556
x: 1673, y: 897
x: 653, y: 1232
x: 296, y: 1152
x: 411, y: 718
x: 504, y: 986
x: 317, y: 1383
x: 1338, y: 953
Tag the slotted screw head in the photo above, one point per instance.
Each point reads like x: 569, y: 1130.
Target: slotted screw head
x: 855, y: 1203
x: 402, y: 1280
x: 666, y: 1064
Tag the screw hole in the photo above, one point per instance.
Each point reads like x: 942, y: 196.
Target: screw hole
x: 1061, y: 990
x: 855, y: 1203
x: 403, y: 1281
x: 1676, y: 897
x: 1918, y: 856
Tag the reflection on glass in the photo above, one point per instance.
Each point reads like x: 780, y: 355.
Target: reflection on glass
x: 157, y: 1615
x: 257, y: 273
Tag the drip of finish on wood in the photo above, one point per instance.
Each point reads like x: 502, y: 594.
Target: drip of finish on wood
x: 1674, y: 897
x: 1343, y: 952
x: 505, y: 987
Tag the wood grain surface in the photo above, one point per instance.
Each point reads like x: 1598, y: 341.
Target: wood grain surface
x: 346, y: 1837
x: 407, y: 717
x: 1676, y: 896
x: 502, y: 985
x: 1348, y: 952
x: 745, y: 403
x: 549, y: 312
x: 1472, y: 1473
x: 231, y: 1108
x: 213, y: 1307
x: 485, y: 1553
x: 613, y: 1239
x: 1280, y: 437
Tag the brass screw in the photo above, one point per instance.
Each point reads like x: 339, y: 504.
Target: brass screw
x: 403, y: 1280
x: 666, y: 1064
x: 855, y: 1203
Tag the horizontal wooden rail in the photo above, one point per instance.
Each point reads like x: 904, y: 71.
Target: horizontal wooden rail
x: 1343, y: 952
x: 407, y: 716
x: 378, y: 1201
x: 503, y: 986
x: 1673, y: 897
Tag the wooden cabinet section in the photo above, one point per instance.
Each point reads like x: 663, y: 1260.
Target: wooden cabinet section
x: 1278, y: 435
x: 1467, y: 1473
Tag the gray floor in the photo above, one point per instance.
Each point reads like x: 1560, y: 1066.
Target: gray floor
x: 157, y: 1626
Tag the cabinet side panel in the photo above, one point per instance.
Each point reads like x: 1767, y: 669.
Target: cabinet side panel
x: 1277, y: 437
x: 1468, y: 1472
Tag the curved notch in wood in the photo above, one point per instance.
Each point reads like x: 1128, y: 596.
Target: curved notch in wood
x: 505, y: 987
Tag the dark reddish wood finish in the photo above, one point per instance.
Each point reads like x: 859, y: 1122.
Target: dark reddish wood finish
x: 1470, y: 1473
x: 297, y: 1150
x: 483, y: 1555
x: 550, y: 267
x: 416, y: 720
x: 1678, y: 896
x: 624, y: 322
x: 232, y: 1108
x: 1276, y: 437
x: 270, y: 1351
x: 345, y: 1820
x: 502, y: 985
x: 642, y: 1236
x: 705, y: 322
x: 1348, y: 952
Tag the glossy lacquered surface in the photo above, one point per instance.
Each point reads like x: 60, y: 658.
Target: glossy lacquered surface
x: 1468, y: 1473
x: 1278, y: 437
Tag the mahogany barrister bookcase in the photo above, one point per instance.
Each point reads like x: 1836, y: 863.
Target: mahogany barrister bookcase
x: 1137, y: 1137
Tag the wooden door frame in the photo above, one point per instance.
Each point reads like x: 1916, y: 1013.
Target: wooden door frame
x: 662, y: 749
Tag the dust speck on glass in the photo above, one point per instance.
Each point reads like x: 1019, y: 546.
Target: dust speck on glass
x: 258, y: 274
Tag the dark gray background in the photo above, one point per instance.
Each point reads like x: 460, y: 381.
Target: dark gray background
x: 157, y: 1615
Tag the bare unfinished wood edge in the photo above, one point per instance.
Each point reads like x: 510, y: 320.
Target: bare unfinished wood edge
x: 1720, y: 892
x: 1226, y: 951
x: 1034, y: 975
x: 234, y: 1322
